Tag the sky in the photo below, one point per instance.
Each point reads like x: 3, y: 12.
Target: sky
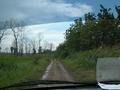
x: 50, y: 17
x: 52, y: 33
x: 49, y: 11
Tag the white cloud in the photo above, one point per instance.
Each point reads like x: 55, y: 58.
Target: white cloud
x: 62, y: 8
x: 42, y: 11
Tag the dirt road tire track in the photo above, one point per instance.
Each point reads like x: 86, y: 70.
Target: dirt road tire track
x: 56, y: 71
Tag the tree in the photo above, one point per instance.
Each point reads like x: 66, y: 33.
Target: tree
x: 21, y: 40
x: 39, y: 39
x: 106, y: 26
x: 12, y: 50
x: 72, y: 35
x: 21, y: 46
x: 3, y: 28
x: 105, y: 13
x: 34, y: 51
x: 33, y: 42
x: 39, y: 49
x: 27, y: 43
x: 61, y: 51
x: 39, y: 43
x: 90, y: 17
x: 45, y: 45
x: 16, y: 28
x: 97, y: 31
x: 51, y: 47
x: 117, y: 8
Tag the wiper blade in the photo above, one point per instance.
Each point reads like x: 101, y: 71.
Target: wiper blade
x: 111, y: 82
x: 37, y: 82
x: 47, y: 82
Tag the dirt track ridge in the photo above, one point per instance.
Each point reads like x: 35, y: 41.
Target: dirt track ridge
x: 56, y: 71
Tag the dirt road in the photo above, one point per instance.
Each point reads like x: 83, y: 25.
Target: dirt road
x: 56, y: 71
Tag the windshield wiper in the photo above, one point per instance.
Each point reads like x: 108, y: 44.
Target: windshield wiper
x: 49, y: 84
x: 111, y: 82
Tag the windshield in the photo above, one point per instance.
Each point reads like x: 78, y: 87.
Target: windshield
x: 58, y: 40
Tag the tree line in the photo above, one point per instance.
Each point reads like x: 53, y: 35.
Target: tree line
x: 21, y: 43
x: 95, y: 31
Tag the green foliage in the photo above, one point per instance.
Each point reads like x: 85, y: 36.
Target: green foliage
x: 97, y: 37
x: 118, y: 11
x: 82, y: 64
x: 61, y: 51
x: 97, y: 31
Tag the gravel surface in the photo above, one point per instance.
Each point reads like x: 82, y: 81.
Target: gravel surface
x: 56, y: 71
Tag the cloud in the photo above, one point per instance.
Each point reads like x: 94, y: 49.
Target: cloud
x: 10, y: 9
x: 42, y: 11
x: 67, y: 9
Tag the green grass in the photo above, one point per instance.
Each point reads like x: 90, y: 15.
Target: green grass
x: 19, y: 68
x: 82, y: 65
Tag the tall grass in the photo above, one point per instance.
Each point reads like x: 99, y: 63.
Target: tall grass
x: 83, y: 64
x: 19, y: 68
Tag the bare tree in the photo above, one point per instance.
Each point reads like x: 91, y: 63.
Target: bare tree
x: 27, y: 45
x: 39, y: 43
x: 6, y: 50
x: 48, y: 47
x: 3, y: 28
x: 45, y: 45
x: 39, y: 38
x: 51, y: 46
x: 16, y: 28
x: 21, y: 46
x: 33, y: 42
x: 21, y: 40
x: 13, y: 47
x: 29, y: 48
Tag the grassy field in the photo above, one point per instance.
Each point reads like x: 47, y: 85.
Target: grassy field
x: 82, y: 65
x: 19, y: 68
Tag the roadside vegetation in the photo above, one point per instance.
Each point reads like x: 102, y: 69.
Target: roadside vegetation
x: 98, y: 36
x: 82, y: 65
x: 20, y: 68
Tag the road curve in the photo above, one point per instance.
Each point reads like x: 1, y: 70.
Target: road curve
x: 56, y: 71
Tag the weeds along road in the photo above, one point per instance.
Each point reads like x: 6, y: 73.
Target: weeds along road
x: 56, y: 71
